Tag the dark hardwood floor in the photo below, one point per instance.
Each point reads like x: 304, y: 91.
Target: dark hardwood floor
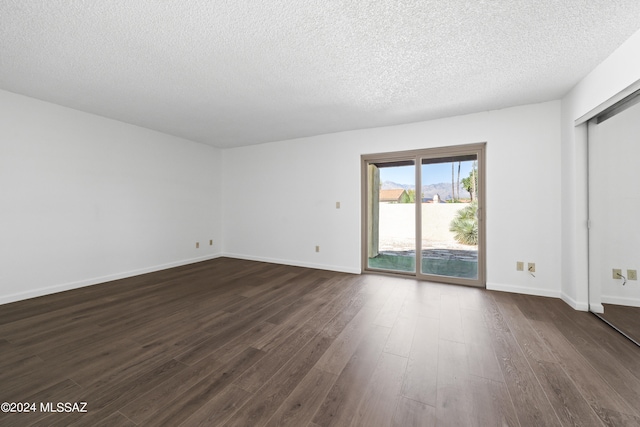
x: 239, y: 343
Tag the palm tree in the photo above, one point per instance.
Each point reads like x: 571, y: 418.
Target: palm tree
x: 453, y: 188
x: 458, y: 180
x: 465, y: 225
x: 469, y: 183
x: 473, y: 180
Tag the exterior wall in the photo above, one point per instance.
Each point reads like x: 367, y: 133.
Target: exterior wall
x: 398, y: 221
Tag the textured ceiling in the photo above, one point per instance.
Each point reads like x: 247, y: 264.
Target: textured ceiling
x: 239, y: 72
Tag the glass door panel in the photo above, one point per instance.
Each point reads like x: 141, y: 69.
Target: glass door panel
x: 449, y: 244
x: 391, y: 210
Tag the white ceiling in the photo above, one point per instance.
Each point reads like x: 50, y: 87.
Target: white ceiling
x: 238, y: 72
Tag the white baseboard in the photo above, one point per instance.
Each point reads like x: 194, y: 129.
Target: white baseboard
x: 596, y: 308
x: 339, y: 269
x: 576, y: 305
x: 580, y: 306
x: 523, y: 290
x: 633, y: 302
x: 5, y: 299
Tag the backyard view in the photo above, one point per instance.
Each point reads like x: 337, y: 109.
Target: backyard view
x: 449, y: 235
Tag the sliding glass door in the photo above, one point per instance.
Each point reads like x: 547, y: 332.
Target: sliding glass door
x: 392, y: 216
x: 423, y: 214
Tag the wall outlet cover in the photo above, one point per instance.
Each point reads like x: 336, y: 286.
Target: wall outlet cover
x: 616, y: 273
x: 531, y: 267
x: 632, y: 274
x: 520, y: 266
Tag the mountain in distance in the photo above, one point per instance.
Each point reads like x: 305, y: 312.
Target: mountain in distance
x: 390, y: 185
x: 442, y: 189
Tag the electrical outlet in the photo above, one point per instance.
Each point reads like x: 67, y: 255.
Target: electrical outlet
x: 197, y: 245
x: 317, y: 248
x: 617, y: 273
x: 520, y: 266
x: 337, y: 205
x: 531, y: 267
x: 210, y: 242
x: 632, y: 274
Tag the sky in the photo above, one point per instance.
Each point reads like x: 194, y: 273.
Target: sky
x: 431, y: 174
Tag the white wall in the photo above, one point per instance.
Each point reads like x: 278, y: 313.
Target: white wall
x: 279, y: 198
x: 84, y: 199
x: 616, y: 73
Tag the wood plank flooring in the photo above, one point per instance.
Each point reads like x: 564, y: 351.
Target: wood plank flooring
x: 239, y: 343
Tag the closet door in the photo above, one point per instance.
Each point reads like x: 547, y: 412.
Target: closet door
x: 614, y: 212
